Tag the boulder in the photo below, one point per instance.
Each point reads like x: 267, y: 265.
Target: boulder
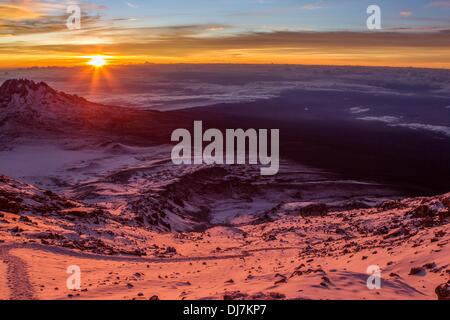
x: 443, y: 291
x: 314, y: 209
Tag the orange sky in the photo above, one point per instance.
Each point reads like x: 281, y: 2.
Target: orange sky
x: 33, y: 33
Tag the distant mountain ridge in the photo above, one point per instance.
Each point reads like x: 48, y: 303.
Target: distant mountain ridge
x: 29, y: 106
x: 24, y: 101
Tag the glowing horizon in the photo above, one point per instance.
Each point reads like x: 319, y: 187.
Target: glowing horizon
x: 34, y: 33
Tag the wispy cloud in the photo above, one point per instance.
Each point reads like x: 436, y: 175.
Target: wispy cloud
x: 440, y: 4
x: 406, y: 13
x: 398, y: 122
x: 132, y: 5
x: 25, y: 17
x: 312, y: 6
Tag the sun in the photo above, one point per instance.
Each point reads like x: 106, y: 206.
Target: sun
x: 97, y: 61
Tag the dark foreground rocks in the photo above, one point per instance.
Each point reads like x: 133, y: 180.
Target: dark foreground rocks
x: 443, y: 291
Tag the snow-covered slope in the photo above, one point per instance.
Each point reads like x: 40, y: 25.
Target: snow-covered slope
x: 31, y: 214
x: 302, y: 255
x: 25, y: 101
x: 221, y: 232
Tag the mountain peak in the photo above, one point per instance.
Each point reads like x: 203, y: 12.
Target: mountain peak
x: 26, y: 101
x: 23, y: 87
x: 24, y: 92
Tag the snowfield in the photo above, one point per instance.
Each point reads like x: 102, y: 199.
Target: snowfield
x: 302, y: 255
x: 81, y: 186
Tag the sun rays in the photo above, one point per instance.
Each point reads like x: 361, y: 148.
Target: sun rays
x: 95, y: 72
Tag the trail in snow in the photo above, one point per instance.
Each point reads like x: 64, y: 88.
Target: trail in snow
x: 21, y: 287
x: 17, y: 275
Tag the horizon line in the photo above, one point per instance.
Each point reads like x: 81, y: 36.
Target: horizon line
x: 227, y: 63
